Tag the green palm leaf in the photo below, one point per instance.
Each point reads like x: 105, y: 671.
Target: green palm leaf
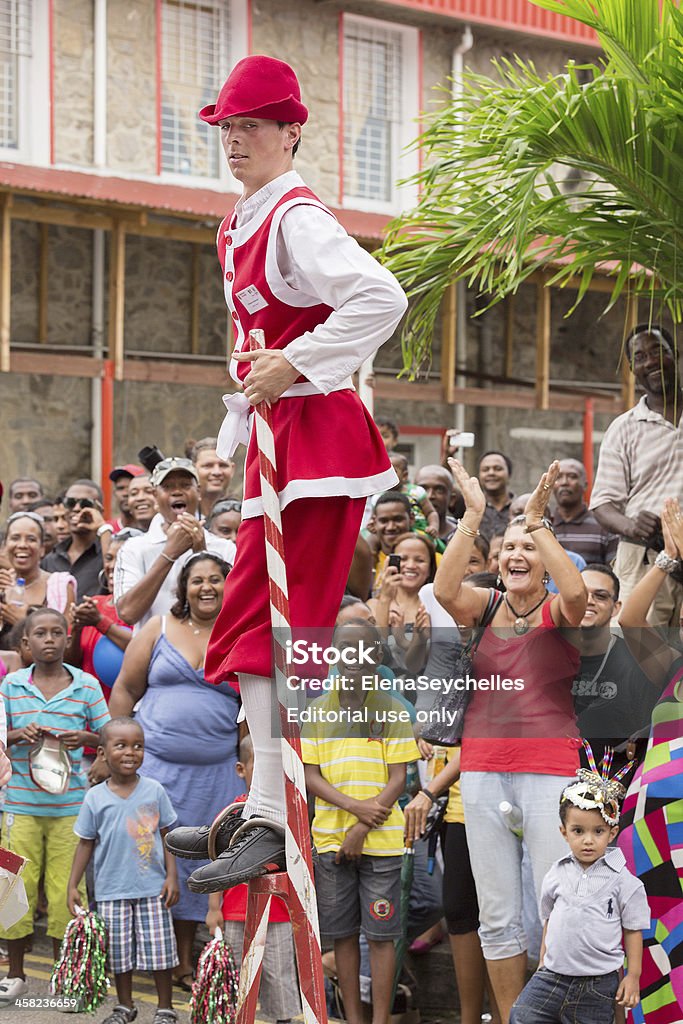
x: 567, y: 173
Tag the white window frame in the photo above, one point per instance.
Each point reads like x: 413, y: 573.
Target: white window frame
x: 405, y: 164
x: 34, y: 125
x: 238, y: 44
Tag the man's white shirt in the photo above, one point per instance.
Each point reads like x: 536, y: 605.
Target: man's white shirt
x: 137, y: 556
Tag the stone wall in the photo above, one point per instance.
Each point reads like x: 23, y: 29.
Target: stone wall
x: 310, y: 44
x: 73, y: 82
x: 131, y: 86
x: 46, y: 427
x: 47, y: 422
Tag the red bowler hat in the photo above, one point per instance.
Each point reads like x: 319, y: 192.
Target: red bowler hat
x: 261, y: 87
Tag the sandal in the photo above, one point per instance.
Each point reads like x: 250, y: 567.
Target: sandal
x: 165, y: 1016
x: 121, y: 1015
x: 181, y: 983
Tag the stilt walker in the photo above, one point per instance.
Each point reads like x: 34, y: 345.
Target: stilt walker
x: 296, y: 886
x: 323, y: 306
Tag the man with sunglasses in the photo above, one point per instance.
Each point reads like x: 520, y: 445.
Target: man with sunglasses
x: 81, y: 553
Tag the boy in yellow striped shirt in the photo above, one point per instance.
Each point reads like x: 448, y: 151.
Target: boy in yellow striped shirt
x: 356, y: 747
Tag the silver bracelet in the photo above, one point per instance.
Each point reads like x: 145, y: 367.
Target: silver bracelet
x: 666, y: 562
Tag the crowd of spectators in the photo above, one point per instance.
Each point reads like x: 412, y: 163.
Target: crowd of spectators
x: 111, y: 618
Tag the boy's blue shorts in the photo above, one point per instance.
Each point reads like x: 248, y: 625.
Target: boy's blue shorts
x: 364, y: 893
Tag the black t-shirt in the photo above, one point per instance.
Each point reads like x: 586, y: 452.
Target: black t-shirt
x: 614, y: 702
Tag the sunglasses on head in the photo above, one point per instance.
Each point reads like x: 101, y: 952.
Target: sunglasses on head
x: 226, y: 506
x: 26, y: 515
x: 71, y: 503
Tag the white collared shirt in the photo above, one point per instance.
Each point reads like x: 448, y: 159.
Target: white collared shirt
x: 586, y: 909
x: 317, y: 257
x: 138, y: 554
x: 640, y: 462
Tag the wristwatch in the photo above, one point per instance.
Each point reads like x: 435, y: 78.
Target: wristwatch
x: 666, y: 562
x: 104, y: 528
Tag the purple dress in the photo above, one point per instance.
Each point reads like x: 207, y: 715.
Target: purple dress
x: 190, y: 748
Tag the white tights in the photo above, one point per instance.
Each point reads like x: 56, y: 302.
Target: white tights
x: 267, y: 793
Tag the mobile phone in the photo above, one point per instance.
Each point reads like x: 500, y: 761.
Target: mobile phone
x: 394, y: 561
x: 460, y: 438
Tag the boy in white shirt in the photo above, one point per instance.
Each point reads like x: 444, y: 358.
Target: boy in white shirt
x: 588, y: 900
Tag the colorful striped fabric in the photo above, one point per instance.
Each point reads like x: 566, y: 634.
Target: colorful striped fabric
x: 652, y: 841
x: 79, y: 706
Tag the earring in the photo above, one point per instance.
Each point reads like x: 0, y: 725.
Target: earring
x: 499, y: 580
x: 102, y: 579
x: 546, y: 577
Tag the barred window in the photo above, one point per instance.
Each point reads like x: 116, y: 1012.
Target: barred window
x: 15, y: 48
x: 372, y: 108
x: 195, y: 60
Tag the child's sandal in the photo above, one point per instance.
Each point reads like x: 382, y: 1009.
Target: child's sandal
x: 165, y: 1017
x: 121, y: 1015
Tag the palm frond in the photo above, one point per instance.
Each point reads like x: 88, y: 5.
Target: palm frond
x: 572, y: 173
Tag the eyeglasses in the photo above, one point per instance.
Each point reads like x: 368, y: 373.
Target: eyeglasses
x: 71, y: 503
x: 601, y: 596
x: 226, y: 506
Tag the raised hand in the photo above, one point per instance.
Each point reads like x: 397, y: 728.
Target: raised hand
x: 469, y: 487
x: 538, y: 501
x: 672, y: 527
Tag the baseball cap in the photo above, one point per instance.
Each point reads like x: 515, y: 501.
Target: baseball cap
x: 130, y: 470
x: 166, y: 466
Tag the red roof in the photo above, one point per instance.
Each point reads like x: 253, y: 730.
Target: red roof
x: 173, y: 200
x: 519, y: 16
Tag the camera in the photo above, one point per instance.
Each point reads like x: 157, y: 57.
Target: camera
x: 150, y: 457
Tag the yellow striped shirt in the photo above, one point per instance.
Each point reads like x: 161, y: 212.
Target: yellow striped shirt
x: 354, y: 758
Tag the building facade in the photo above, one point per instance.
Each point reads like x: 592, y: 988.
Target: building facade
x: 113, y: 329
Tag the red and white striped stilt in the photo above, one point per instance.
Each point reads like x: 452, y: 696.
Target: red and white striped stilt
x: 296, y: 886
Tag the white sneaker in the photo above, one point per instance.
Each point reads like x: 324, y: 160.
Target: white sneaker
x: 11, y: 989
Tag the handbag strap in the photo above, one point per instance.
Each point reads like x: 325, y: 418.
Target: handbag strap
x: 492, y: 606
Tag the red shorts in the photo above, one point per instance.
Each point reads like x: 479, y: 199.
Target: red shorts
x: 320, y: 536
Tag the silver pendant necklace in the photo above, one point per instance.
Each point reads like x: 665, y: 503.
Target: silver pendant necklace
x: 521, y: 625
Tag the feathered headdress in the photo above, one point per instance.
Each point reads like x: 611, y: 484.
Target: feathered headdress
x: 595, y: 791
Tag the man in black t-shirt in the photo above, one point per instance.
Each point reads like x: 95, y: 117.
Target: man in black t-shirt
x: 613, y: 698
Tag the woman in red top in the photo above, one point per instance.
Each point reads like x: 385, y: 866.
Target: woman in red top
x: 520, y: 741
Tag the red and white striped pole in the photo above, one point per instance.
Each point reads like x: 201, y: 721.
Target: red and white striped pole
x: 297, y: 888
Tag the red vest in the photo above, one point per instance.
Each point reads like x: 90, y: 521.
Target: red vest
x: 311, y: 462
x: 244, y: 254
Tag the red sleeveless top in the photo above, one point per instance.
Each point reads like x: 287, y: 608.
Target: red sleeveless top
x: 531, y: 728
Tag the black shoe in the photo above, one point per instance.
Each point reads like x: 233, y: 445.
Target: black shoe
x: 257, y: 849
x: 193, y: 843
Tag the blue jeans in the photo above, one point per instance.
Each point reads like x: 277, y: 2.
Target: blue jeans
x: 551, y: 998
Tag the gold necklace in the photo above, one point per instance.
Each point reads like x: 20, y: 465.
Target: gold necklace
x: 198, y: 629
